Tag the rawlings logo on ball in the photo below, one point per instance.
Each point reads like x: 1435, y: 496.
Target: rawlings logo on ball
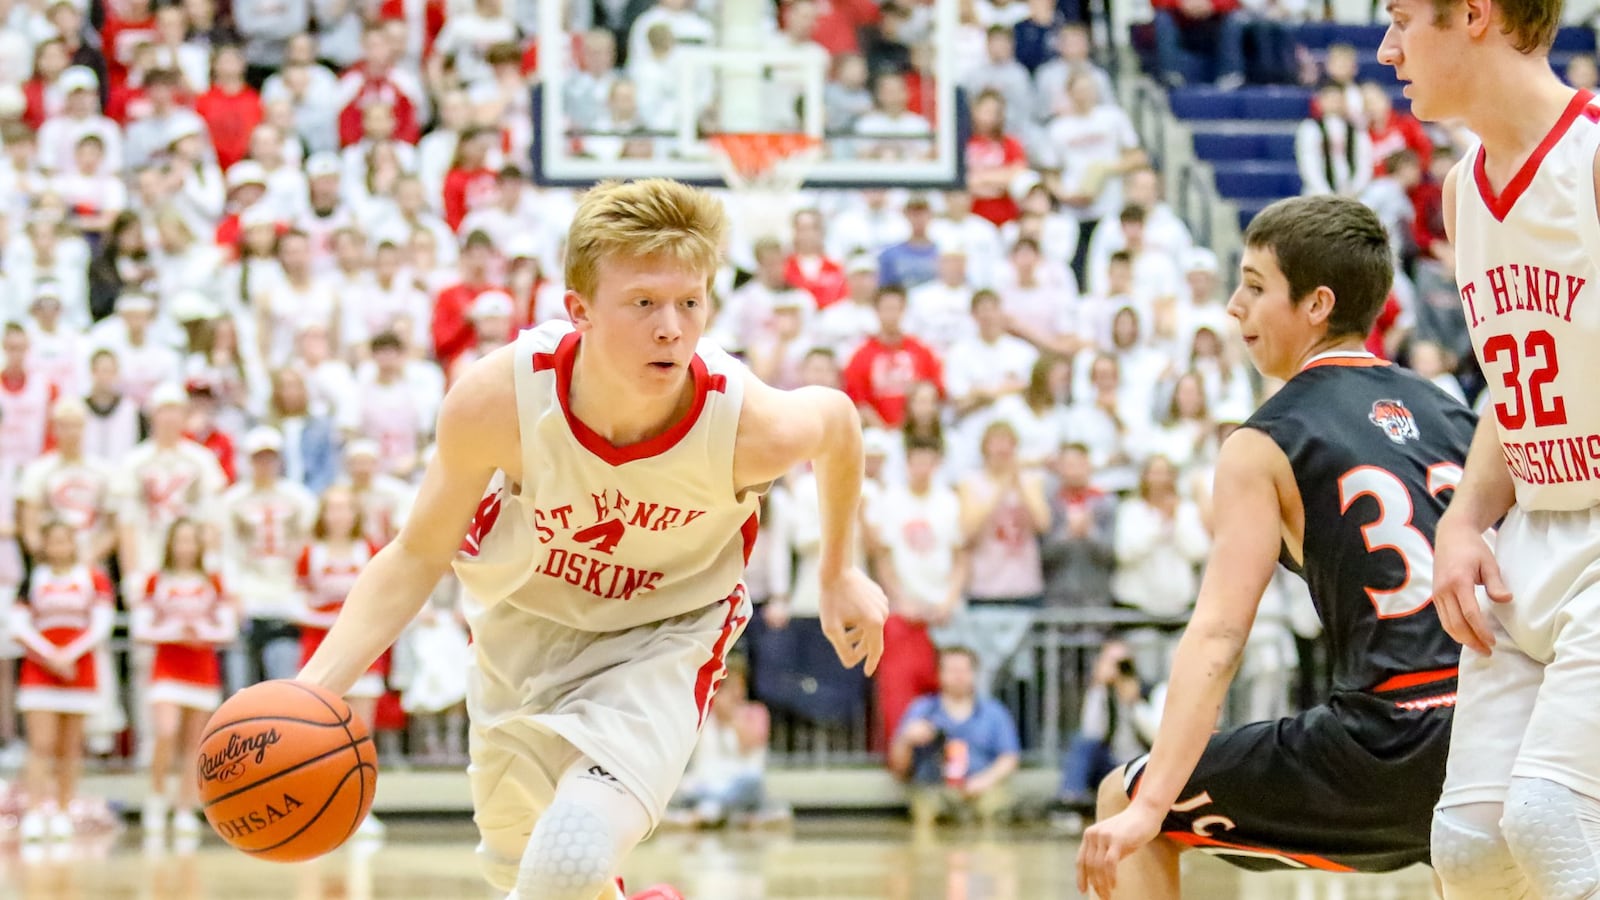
x: 230, y: 763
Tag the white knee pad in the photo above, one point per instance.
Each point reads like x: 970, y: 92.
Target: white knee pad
x: 1554, y: 834
x: 1471, y: 857
x: 572, y: 855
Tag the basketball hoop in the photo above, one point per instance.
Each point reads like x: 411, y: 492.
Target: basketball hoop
x: 765, y: 171
x: 765, y: 161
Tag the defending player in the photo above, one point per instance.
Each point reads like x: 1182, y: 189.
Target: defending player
x: 1521, y: 802
x: 1341, y: 475
x: 628, y: 458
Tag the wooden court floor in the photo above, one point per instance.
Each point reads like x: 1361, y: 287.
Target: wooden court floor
x: 826, y: 859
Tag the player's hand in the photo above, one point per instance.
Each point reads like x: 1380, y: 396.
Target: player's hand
x: 1106, y: 844
x: 1462, y: 560
x: 853, y: 609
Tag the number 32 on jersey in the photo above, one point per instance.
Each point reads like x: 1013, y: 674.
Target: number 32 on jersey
x: 1393, y: 530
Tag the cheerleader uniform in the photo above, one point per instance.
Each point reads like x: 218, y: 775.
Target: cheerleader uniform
x: 71, y: 610
x: 326, y: 580
x: 185, y: 615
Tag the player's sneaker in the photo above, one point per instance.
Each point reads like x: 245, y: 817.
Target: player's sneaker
x: 185, y: 824
x: 33, y: 825
x: 153, y: 817
x: 61, y: 828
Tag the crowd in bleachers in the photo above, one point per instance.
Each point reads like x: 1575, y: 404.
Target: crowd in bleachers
x: 246, y: 247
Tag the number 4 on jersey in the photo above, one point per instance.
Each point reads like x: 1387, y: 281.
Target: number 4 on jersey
x: 1392, y: 530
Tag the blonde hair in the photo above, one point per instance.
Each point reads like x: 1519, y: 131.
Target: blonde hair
x: 650, y: 217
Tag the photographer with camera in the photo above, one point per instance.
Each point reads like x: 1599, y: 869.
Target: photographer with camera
x: 1118, y: 723
x: 958, y: 749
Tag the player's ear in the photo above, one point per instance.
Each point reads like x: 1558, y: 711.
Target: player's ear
x: 577, y: 309
x: 1477, y: 16
x: 1319, y: 306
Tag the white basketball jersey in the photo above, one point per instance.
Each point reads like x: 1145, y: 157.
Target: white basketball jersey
x: 1528, y: 266
x: 604, y: 538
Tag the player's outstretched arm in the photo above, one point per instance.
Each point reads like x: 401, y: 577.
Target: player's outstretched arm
x: 779, y: 430
x: 476, y: 434
x: 1251, y: 473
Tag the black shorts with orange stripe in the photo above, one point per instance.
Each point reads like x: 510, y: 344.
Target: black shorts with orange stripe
x: 1345, y: 787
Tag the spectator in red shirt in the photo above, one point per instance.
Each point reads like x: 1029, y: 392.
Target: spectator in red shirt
x: 43, y: 98
x: 470, y: 183
x: 376, y: 80
x: 453, y: 331
x: 880, y: 374
x: 231, y: 108
x: 128, y: 24
x: 809, y: 267
x: 202, y: 426
x: 1203, y: 39
x: 994, y: 160
x: 1392, y: 131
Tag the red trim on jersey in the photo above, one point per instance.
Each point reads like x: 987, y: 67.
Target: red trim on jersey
x: 1414, y: 679
x: 1310, y: 861
x: 748, y: 531
x: 1500, y: 205
x: 715, y: 668
x: 1360, y: 362
x: 566, y: 356
x: 482, y: 522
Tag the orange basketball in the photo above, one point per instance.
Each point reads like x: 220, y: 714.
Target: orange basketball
x: 287, y: 772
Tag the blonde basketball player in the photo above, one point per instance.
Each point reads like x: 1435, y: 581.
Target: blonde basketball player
x: 625, y: 459
x: 1520, y: 812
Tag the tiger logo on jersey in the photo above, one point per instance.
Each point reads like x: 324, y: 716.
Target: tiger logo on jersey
x: 1395, y: 420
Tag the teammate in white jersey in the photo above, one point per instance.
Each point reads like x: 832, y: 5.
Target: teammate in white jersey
x: 604, y: 565
x: 1520, y: 811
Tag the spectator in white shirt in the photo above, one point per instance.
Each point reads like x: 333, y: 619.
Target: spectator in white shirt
x: 1332, y: 153
x: 939, y: 313
x: 988, y: 366
x: 893, y: 124
x: 1093, y: 144
x: 58, y: 136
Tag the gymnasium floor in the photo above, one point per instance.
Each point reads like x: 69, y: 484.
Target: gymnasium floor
x: 829, y: 859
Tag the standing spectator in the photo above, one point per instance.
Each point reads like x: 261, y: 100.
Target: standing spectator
x: 267, y: 26
x: 265, y: 521
x: 883, y: 369
x: 79, y: 116
x: 958, y: 748
x: 292, y: 302
x: 1003, y: 513
x: 1005, y: 76
x: 1094, y: 145
x: 451, y: 329
x: 913, y: 261
x: 1200, y: 39
x: 165, y: 478
x: 392, y: 409
x: 1269, y: 27
x: 1050, y: 80
x: 995, y: 159
x: 1035, y: 35
x: 471, y: 183
x: 809, y: 267
x: 922, y: 563
x: 67, y: 485
x: 1077, y: 551
x: 377, y: 79
x: 846, y: 97
x: 1332, y: 153
x: 1160, y: 541
x: 25, y: 401
x: 114, y: 425
x: 231, y: 108
x: 1389, y: 131
x: 310, y: 455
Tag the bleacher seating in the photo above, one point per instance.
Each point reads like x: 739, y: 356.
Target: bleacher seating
x: 1247, y: 135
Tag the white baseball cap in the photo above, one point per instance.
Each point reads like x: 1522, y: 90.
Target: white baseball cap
x: 491, y: 303
x: 246, y: 171
x: 78, y: 78
x: 322, y: 164
x: 361, y: 447
x: 134, y: 302
x: 168, y: 393
x: 263, y: 439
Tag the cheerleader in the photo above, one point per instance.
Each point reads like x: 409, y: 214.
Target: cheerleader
x: 327, y: 569
x: 185, y: 614
x: 66, y: 616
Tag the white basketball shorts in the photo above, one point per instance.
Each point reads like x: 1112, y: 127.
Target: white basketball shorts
x: 1528, y: 709
x: 541, y: 696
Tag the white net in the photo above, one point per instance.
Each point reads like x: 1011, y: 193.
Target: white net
x: 764, y: 173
